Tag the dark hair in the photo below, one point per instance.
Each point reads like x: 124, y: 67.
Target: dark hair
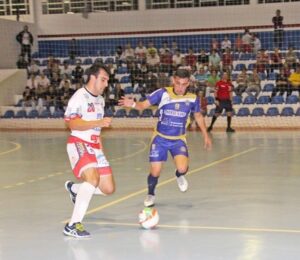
x: 95, y: 69
x: 182, y: 73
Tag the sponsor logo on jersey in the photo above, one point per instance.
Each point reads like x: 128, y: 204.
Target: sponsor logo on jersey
x: 169, y: 112
x: 91, y: 107
x: 80, y: 148
x: 177, y: 106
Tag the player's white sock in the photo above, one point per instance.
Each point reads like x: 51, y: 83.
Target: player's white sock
x: 75, y: 188
x: 83, y: 198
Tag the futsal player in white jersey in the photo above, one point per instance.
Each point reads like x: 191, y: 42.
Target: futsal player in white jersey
x: 175, y: 105
x: 85, y: 118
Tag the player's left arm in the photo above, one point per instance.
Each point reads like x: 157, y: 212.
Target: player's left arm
x: 201, y: 123
x: 129, y: 102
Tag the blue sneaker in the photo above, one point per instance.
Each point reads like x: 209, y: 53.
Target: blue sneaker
x: 76, y: 230
x: 68, y: 187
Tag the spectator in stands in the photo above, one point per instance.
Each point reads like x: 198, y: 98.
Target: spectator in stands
x: 291, y: 58
x: 276, y: 60
x: 32, y: 82
x: 202, y: 60
x: 177, y: 59
x: 164, y: 48
x: 163, y: 80
x: 43, y: 81
x: 144, y: 70
x: 174, y: 47
x: 73, y: 50
x: 150, y: 82
x: 56, y: 69
x: 238, y: 44
x: 153, y: 60
x: 25, y: 39
x: 151, y: 48
x: 225, y: 44
x: 33, y: 68
x: 294, y: 81
x: 21, y: 62
x: 256, y: 43
x: 135, y: 74
x: 140, y: 52
x: 191, y: 59
x: 66, y: 69
x: 227, y: 61
x: 262, y: 62
x: 281, y: 83
x: 65, y: 80
x: 214, y: 60
x: 201, y: 77
x: 212, y: 80
x: 277, y: 21
x: 128, y: 54
x: 55, y: 80
x: 77, y: 74
x: 166, y: 62
x: 242, y: 82
x: 223, y: 99
x: 253, y: 84
x: 247, y: 41
x: 214, y: 45
x: 118, y: 55
x: 116, y: 94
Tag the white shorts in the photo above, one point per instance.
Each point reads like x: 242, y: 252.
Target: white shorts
x: 83, y: 155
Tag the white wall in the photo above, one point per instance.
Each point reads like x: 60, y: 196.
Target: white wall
x: 165, y: 19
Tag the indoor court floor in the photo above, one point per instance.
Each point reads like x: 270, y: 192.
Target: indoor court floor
x: 243, y: 200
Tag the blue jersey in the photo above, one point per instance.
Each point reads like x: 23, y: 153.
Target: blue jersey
x: 174, y: 111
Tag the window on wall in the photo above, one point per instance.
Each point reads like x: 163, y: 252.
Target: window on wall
x: 14, y: 7
x: 87, y: 6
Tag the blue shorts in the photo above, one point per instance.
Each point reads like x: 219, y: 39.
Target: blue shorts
x: 160, y: 146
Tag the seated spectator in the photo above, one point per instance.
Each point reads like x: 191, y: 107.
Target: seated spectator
x: 66, y: 69
x: 65, y: 80
x: 262, y: 62
x: 32, y: 82
x: 191, y: 59
x: 163, y: 80
x: 276, y: 60
x: 55, y: 80
x: 77, y: 74
x: 281, y: 83
x: 225, y: 44
x: 151, y: 48
x: 214, y: 61
x: 294, y: 81
x: 253, y: 84
x: 202, y: 60
x: 150, y: 82
x: 291, y: 58
x: 166, y: 62
x: 256, y: 43
x: 140, y: 52
x: 153, y: 61
x: 177, y: 59
x: 174, y: 47
x: 21, y: 62
x: 118, y: 55
x: 238, y: 44
x: 135, y: 74
x: 242, y: 81
x: 247, y: 41
x: 227, y: 61
x: 115, y: 94
x: 128, y: 54
x: 212, y: 80
x: 201, y: 77
x: 33, y: 68
x: 214, y: 45
x: 42, y: 80
x: 164, y: 48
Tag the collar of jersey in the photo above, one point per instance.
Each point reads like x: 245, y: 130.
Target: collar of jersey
x: 90, y: 92
x: 173, y: 95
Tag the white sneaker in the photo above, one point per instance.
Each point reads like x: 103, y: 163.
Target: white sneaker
x: 182, y: 183
x: 149, y: 201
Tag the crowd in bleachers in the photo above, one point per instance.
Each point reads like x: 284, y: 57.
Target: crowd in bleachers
x: 259, y: 76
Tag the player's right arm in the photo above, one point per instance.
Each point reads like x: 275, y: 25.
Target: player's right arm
x: 82, y: 125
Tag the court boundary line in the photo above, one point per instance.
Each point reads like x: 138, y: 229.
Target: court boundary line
x: 16, y: 148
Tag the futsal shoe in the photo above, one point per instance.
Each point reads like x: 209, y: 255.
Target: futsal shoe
x: 76, y: 230
x: 230, y: 130
x: 182, y: 183
x: 149, y: 201
x: 68, y: 187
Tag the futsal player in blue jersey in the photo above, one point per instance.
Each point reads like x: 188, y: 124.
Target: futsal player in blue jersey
x: 175, y: 105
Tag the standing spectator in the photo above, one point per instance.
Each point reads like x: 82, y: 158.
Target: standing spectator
x: 73, y: 51
x: 247, y: 40
x: 21, y: 62
x: 277, y: 21
x: 223, y: 97
x: 256, y: 43
x: 25, y: 38
x: 225, y: 44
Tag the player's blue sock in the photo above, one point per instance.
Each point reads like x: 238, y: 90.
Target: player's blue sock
x: 152, y: 181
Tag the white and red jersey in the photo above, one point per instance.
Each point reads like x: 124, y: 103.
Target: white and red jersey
x: 88, y: 107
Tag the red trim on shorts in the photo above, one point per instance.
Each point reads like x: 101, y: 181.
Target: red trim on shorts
x: 87, y: 159
x: 105, y: 170
x: 74, y: 139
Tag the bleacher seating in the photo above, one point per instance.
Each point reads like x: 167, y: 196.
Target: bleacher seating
x: 277, y: 100
x: 9, y: 114
x: 249, y: 100
x: 33, y: 114
x: 272, y: 111
x: 45, y: 114
x: 287, y: 111
x: 133, y: 113
x: 21, y: 114
x: 147, y: 113
x: 243, y: 111
x: 292, y: 99
x: 263, y: 100
x: 120, y: 113
x: 257, y: 111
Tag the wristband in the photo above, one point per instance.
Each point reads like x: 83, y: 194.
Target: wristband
x: 133, y: 105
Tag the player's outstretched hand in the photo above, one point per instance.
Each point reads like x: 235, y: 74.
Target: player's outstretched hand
x: 126, y: 102
x: 207, y: 142
x: 105, y: 122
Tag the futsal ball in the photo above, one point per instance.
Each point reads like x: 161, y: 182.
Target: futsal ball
x: 148, y: 218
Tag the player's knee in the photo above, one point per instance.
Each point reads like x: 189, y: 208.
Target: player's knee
x: 182, y: 170
x: 108, y: 189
